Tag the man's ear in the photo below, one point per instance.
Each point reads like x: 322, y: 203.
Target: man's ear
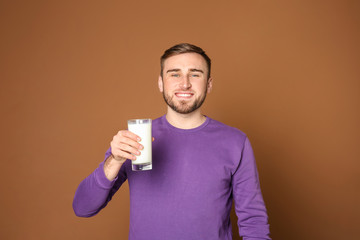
x: 160, y: 84
x: 209, y: 85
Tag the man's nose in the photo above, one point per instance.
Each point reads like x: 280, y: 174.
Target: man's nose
x: 185, y: 82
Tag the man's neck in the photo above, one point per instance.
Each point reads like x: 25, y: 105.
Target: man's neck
x: 185, y: 121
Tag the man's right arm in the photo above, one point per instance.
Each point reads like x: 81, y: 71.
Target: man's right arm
x: 95, y: 191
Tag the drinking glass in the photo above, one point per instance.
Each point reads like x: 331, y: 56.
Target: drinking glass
x: 142, y: 128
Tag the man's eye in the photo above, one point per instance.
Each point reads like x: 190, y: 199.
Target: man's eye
x: 175, y: 75
x: 195, y: 75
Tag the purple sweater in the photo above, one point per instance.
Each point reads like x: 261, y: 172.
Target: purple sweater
x: 188, y: 194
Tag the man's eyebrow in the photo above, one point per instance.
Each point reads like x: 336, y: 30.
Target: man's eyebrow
x: 196, y: 70
x: 173, y: 70
x: 178, y: 70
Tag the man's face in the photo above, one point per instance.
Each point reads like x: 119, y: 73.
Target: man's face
x: 184, y: 83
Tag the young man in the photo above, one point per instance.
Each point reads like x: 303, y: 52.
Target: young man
x: 199, y: 166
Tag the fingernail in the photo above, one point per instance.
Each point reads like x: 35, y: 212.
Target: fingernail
x: 133, y: 158
x: 138, y: 153
x: 139, y: 139
x: 141, y: 147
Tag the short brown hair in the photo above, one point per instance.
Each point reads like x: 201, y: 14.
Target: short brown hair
x: 184, y: 48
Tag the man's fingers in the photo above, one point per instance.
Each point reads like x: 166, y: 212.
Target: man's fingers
x: 129, y: 149
x: 131, y: 143
x: 125, y: 145
x: 128, y: 134
x: 121, y: 150
x: 126, y: 137
x: 122, y: 155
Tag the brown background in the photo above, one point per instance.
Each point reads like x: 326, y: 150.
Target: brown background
x: 285, y: 72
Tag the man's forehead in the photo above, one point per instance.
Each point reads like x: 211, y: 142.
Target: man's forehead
x: 186, y: 61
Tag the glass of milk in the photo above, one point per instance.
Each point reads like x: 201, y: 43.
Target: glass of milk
x: 142, y: 128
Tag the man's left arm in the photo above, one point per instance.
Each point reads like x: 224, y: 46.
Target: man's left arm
x: 249, y: 204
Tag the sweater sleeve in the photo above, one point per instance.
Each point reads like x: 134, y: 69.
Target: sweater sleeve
x: 95, y: 191
x: 249, y: 204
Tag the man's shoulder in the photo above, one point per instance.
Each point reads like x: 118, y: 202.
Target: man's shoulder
x: 158, y: 120
x: 159, y: 124
x: 216, y: 125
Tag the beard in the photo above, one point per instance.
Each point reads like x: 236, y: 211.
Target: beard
x: 184, y: 107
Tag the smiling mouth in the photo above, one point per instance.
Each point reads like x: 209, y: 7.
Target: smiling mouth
x: 184, y: 95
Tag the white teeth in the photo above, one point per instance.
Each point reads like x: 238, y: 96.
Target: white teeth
x: 183, y: 95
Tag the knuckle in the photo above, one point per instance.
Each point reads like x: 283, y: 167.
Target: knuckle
x: 122, y: 146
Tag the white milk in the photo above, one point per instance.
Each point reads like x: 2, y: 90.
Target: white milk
x: 142, y: 128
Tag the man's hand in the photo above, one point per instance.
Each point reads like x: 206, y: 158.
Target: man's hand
x: 125, y: 145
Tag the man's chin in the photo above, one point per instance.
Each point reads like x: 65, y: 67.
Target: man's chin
x: 183, y: 106
x: 183, y: 110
